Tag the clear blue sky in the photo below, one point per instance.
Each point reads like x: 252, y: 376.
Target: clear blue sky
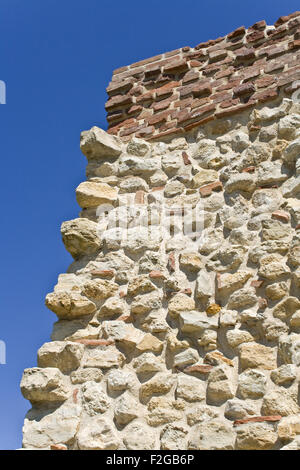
x: 56, y: 58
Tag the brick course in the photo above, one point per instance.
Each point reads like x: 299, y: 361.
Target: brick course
x: 256, y: 63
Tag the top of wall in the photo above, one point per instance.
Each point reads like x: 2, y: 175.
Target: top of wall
x: 173, y: 92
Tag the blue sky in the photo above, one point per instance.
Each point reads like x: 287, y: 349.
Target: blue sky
x: 57, y: 57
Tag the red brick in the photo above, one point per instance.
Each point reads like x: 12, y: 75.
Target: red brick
x: 171, y: 262
x: 274, y: 66
x: 209, y: 188
x: 249, y: 169
x: 265, y: 81
x: 146, y: 61
x: 245, y: 54
x: 284, y: 19
x: 149, y: 96
x: 294, y: 44
x: 229, y: 103
x: 158, y: 118
x: 244, y: 89
x: 216, y: 56
x: 257, y: 283
x: 186, y: 158
x: 118, y: 100
x: 94, y: 342
x: 166, y: 89
x: 163, y: 104
x: 145, y: 131
x: 199, y: 122
x: 202, y: 89
x: 58, y: 447
x: 135, y: 109
x: 200, y: 369
x: 120, y: 70
x: 157, y: 275
x: 139, y: 197
x: 235, y: 109
x: 176, y: 66
x: 190, y: 76
x: 237, y: 32
x: 211, y: 42
x: 117, y: 87
x: 74, y: 395
x: 258, y: 419
x: 219, y: 97
x: 186, y: 291
x: 103, y: 273
x: 258, y: 26
x: 281, y: 215
x: 266, y: 95
x: 225, y: 73
x: 255, y: 36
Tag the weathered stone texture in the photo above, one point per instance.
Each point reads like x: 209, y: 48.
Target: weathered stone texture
x: 172, y: 340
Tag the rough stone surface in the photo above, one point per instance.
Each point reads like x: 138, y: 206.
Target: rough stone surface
x: 179, y: 318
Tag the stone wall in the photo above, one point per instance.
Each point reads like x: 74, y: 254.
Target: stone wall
x: 179, y: 340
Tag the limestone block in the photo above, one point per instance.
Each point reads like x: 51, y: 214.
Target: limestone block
x: 252, y: 384
x: 191, y: 261
x: 200, y: 413
x: 236, y: 337
x: 281, y: 402
x: 289, y: 348
x: 43, y: 428
x: 219, y: 388
x: 80, y: 376
x: 147, y: 363
x: 204, y: 177
x: 64, y: 355
x: 186, y: 358
x: 190, y: 389
x: 93, y: 398
x: 138, y: 147
x: 80, y: 237
x: 44, y: 385
x: 97, y: 434
x: 193, y: 322
x: 255, y: 436
x: 99, y: 289
x: 150, y: 343
x: 180, y: 303
x: 253, y: 355
x: 139, y: 436
x: 93, y: 194
x: 103, y: 358
x: 126, y: 409
x: 96, y: 143
x: 159, y: 384
x: 163, y: 410
x: 173, y: 437
x: 284, y: 375
x: 212, y: 435
x: 68, y: 305
x: 205, y: 285
x: 119, y: 380
x: 289, y: 428
x: 240, y: 409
